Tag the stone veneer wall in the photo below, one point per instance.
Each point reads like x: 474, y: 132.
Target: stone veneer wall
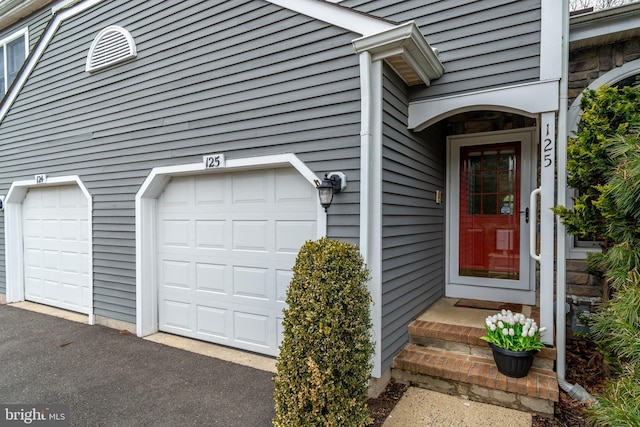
x: 586, y: 65
x: 580, y: 283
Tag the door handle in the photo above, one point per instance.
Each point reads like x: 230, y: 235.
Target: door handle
x: 533, y: 202
x: 526, y: 215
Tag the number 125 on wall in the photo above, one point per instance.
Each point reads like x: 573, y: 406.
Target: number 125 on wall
x: 213, y: 161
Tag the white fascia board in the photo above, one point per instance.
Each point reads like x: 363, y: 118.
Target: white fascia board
x: 34, y: 57
x: 551, y: 39
x: 603, y: 24
x: 65, y: 4
x: 407, y: 41
x: 11, y: 11
x: 333, y: 14
x: 530, y: 98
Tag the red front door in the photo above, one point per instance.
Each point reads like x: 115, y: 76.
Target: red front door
x: 489, y: 216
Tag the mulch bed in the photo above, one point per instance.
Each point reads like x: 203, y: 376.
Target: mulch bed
x: 584, y: 366
x: 381, y: 407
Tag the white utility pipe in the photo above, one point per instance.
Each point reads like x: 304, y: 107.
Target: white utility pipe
x: 576, y: 391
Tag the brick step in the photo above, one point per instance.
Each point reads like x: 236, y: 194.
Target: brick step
x: 464, y: 340
x: 477, y: 378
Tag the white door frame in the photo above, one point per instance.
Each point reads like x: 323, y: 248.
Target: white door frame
x: 146, y: 230
x: 14, y: 257
x: 524, y: 290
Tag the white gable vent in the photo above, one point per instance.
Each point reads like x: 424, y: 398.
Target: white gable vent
x: 111, y: 46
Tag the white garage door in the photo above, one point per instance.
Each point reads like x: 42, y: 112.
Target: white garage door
x: 56, y: 247
x: 226, y: 246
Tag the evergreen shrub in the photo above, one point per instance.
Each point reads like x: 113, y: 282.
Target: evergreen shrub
x: 323, y: 367
x: 604, y: 165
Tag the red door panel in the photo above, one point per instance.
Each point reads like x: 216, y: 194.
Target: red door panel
x: 489, y: 243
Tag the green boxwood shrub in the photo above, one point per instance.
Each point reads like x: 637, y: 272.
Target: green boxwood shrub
x: 324, y: 364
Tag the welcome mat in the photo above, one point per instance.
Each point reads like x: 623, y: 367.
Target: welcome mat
x: 489, y: 305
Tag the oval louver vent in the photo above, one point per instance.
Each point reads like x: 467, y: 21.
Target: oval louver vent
x: 111, y: 46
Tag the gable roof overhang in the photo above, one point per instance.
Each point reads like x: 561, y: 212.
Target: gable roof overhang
x: 402, y: 46
x: 406, y: 50
x: 604, y: 27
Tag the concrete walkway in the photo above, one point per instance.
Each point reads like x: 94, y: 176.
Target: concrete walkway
x: 424, y: 408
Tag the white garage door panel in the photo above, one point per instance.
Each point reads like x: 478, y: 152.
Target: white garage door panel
x: 212, y: 321
x: 291, y: 235
x: 56, y: 247
x: 226, y: 246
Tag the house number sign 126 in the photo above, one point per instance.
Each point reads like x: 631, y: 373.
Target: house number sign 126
x: 213, y: 161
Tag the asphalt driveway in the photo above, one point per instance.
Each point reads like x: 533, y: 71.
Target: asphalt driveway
x: 113, y: 379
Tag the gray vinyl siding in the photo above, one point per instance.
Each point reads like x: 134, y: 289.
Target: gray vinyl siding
x: 244, y: 78
x: 36, y: 24
x: 412, y: 223
x: 482, y: 43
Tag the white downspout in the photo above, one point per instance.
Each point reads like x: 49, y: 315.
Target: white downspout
x: 576, y: 391
x: 371, y: 191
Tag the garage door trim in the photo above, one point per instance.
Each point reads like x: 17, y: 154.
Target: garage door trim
x: 13, y: 217
x: 146, y: 210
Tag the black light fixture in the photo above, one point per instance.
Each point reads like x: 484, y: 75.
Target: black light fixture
x: 333, y: 183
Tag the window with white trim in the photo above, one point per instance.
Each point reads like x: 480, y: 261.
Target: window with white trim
x: 14, y: 48
x: 111, y: 46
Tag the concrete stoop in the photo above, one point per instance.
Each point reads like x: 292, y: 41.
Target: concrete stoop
x: 453, y: 359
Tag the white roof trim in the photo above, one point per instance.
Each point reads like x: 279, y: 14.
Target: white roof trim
x: 11, y: 11
x: 32, y: 60
x: 333, y: 14
x: 588, y: 28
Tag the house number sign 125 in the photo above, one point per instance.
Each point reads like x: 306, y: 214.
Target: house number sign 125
x: 548, y: 149
x: 213, y: 161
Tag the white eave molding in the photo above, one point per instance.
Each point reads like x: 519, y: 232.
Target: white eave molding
x: 11, y: 11
x: 406, y: 50
x: 605, y: 26
x: 339, y: 16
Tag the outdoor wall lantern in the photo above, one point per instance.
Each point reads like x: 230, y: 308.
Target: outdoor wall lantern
x: 333, y: 183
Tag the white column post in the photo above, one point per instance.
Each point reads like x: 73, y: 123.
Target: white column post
x: 547, y: 218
